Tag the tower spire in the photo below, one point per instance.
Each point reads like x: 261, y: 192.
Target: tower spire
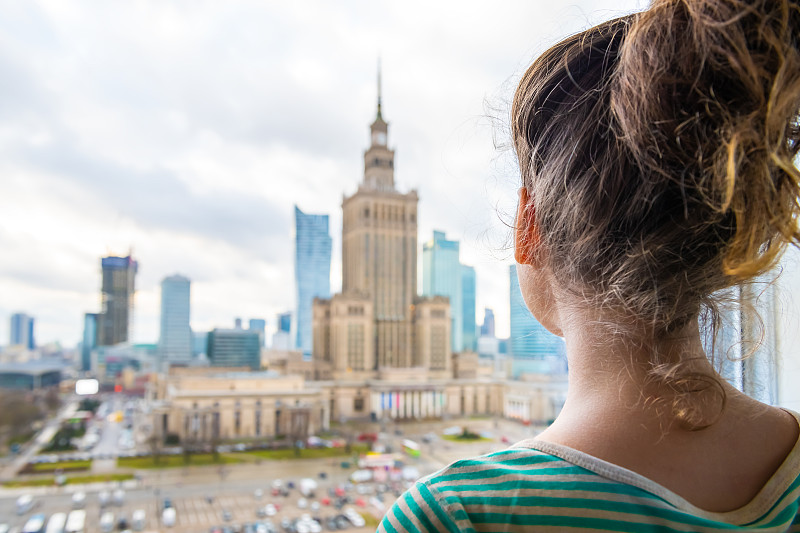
x: 379, y: 117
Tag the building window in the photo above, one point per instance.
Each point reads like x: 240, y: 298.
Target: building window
x: 258, y: 423
x: 278, y: 422
x: 358, y: 404
x: 237, y: 422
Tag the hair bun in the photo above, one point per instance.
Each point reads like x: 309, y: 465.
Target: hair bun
x: 707, y: 93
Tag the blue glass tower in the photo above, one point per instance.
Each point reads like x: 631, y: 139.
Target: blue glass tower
x: 22, y: 331
x: 312, y: 270
x: 441, y: 276
x: 89, y: 342
x: 529, y: 339
x: 175, y: 340
x: 470, y: 334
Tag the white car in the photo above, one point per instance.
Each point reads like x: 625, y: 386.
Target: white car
x: 78, y: 499
x: 168, y: 517
x: 356, y: 519
x: 302, y: 503
x: 107, y: 522
x: 270, y: 509
x: 103, y: 497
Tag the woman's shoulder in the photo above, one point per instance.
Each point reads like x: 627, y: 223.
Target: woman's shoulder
x: 488, y: 487
x: 536, y: 484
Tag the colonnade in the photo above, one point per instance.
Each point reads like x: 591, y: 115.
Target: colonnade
x: 517, y: 409
x: 400, y: 404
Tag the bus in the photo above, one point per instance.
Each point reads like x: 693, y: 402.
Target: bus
x: 411, y: 447
x: 76, y: 521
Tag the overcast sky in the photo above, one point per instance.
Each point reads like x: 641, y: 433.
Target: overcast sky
x: 186, y: 131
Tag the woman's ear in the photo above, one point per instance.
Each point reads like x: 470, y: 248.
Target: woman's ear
x: 526, y: 233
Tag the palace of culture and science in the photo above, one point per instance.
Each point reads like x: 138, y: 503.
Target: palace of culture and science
x: 380, y: 351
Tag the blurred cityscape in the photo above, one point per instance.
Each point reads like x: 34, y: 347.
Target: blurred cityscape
x: 359, y: 387
x: 321, y: 422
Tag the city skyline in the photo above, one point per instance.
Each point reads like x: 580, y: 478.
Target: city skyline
x: 189, y: 134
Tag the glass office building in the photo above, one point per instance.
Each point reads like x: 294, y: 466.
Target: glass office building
x: 175, y: 341
x: 529, y: 339
x: 312, y: 270
x: 441, y: 276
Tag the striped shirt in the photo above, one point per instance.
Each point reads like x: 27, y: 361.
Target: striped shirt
x: 540, y: 486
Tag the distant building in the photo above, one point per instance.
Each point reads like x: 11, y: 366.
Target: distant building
x: 22, y: 331
x: 529, y: 339
x: 89, y: 342
x: 175, y: 340
x: 117, y: 290
x: 441, y: 276
x: 237, y: 323
x: 285, y: 322
x: 31, y: 375
x: 469, y: 327
x: 487, y: 328
x: 259, y: 325
x: 234, y: 348
x: 199, y: 343
x: 312, y: 270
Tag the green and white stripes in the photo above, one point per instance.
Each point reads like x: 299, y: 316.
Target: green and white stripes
x: 537, y: 486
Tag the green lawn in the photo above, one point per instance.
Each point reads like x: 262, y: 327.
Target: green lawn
x: 307, y: 453
x: 460, y: 438
x: 71, y: 480
x: 177, y: 461
x: 52, y: 467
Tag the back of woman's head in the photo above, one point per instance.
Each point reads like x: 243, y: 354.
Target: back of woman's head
x: 658, y: 151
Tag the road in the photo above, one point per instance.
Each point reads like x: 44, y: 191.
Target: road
x: 42, y: 438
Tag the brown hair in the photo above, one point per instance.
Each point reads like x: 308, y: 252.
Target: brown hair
x: 658, y: 151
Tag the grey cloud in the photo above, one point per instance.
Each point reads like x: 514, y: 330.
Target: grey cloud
x: 157, y: 199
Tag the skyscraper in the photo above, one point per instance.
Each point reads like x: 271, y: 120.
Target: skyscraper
x: 312, y: 270
x: 470, y: 334
x: 441, y: 276
x: 379, y: 251
x: 118, y: 286
x: 487, y: 329
x: 22, y: 331
x: 175, y: 341
x: 259, y: 325
x: 529, y: 339
x: 89, y: 341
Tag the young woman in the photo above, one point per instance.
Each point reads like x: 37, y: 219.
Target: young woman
x: 656, y: 152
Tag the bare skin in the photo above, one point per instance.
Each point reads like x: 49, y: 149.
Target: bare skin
x: 608, y: 413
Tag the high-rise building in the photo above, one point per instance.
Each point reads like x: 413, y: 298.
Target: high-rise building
x: 234, y: 347
x: 89, y: 341
x: 529, y: 339
x: 22, y: 331
x: 118, y: 287
x: 487, y: 328
x: 259, y: 325
x: 312, y: 270
x: 378, y: 324
x: 285, y: 322
x: 379, y: 251
x: 468, y: 282
x: 441, y: 276
x: 175, y: 341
